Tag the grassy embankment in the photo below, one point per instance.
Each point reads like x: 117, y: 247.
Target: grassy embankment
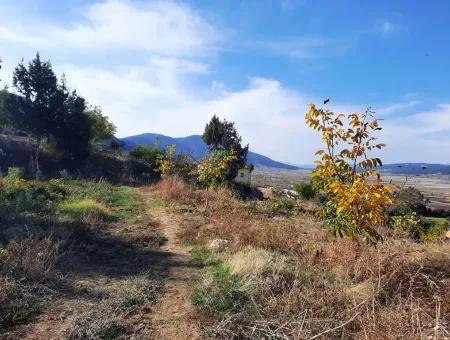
x: 65, y: 242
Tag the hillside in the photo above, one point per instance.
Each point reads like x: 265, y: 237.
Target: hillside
x: 196, y: 148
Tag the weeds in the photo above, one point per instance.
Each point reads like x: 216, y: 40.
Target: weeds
x: 286, y: 277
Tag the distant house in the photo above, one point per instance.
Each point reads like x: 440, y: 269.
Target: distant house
x: 243, y: 176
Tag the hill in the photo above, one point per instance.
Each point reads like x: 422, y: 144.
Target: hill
x: 416, y: 168
x: 195, y: 147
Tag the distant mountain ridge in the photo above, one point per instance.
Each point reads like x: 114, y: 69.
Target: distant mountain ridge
x: 416, y: 168
x: 195, y: 147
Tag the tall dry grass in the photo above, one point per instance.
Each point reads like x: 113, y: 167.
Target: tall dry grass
x: 303, y: 283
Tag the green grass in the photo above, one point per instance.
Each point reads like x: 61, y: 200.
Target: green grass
x: 156, y: 202
x: 202, y: 257
x: 216, y: 290
x: 219, y: 291
x: 86, y: 207
x: 125, y: 202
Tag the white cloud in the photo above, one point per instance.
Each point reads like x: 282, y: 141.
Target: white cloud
x: 307, y: 47
x: 165, y: 28
x: 156, y: 90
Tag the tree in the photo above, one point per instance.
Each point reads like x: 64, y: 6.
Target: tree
x: 222, y: 135
x: 101, y: 127
x: 213, y: 170
x: 358, y: 199
x: 5, y: 118
x: 54, y: 112
x: 148, y: 154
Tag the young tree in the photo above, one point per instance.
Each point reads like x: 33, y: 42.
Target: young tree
x: 222, y: 135
x: 345, y: 171
x: 101, y: 127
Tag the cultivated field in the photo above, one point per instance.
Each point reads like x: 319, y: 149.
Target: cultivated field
x: 436, y: 188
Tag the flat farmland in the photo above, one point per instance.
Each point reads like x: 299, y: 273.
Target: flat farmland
x: 436, y: 188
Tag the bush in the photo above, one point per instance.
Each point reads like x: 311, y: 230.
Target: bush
x: 278, y: 206
x: 305, y: 190
x: 421, y: 228
x: 407, y: 201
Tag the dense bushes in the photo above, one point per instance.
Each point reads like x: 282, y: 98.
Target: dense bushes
x: 407, y: 201
x: 305, y: 190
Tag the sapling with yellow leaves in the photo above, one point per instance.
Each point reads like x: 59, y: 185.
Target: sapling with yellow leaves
x: 346, y: 172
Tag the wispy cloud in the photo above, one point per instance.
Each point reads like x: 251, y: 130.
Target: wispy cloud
x: 307, y: 47
x: 387, y: 27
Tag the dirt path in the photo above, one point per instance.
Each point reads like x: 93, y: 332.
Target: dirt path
x: 174, y: 315
x: 99, y: 270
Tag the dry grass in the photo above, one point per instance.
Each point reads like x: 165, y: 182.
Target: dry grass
x: 25, y: 268
x: 170, y: 188
x: 302, y: 283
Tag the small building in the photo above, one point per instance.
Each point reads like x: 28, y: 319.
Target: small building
x: 244, y: 176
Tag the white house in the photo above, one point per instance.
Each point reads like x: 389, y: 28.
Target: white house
x: 243, y: 176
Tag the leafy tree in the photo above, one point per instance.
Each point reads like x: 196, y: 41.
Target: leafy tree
x: 166, y: 162
x: 101, y: 127
x: 54, y: 111
x: 213, y: 170
x: 148, y: 154
x: 357, y: 198
x: 222, y: 135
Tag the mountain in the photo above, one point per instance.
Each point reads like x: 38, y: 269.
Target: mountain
x: 416, y: 168
x: 195, y: 147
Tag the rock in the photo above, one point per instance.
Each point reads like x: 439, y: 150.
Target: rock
x: 218, y: 244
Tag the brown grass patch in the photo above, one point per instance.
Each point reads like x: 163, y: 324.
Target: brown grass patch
x: 302, y: 282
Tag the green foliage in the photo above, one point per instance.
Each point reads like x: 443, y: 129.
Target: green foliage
x: 421, y: 228
x: 305, y: 190
x: 407, y: 201
x: 278, y: 206
x: 54, y: 111
x: 147, y: 154
x: 101, y: 127
x: 222, y: 135
x: 125, y: 202
x: 84, y: 208
x: 213, y: 171
x: 220, y: 291
x: 5, y: 115
x: 166, y: 161
x: 202, y: 257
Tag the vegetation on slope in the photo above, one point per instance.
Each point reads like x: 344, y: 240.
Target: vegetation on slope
x: 284, y: 276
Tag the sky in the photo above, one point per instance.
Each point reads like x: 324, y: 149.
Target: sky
x: 167, y: 66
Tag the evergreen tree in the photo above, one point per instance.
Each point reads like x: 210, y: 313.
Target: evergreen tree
x: 54, y: 111
x: 222, y: 135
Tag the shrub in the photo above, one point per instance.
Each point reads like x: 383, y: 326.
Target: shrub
x: 148, y: 154
x: 305, y: 190
x: 421, y: 228
x: 407, y: 201
x: 86, y: 207
x: 170, y: 187
x: 278, y: 206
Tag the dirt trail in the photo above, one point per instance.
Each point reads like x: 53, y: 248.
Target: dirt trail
x: 122, y: 252
x: 174, y: 315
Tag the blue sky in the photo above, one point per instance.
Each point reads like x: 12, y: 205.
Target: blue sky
x: 166, y: 67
